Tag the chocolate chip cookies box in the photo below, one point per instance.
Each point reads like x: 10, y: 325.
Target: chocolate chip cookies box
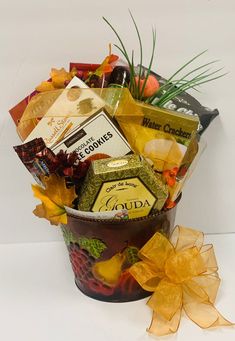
x: 123, y: 183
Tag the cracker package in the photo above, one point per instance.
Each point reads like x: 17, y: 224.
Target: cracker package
x: 167, y: 139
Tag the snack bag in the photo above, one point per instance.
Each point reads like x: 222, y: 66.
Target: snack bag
x: 189, y: 105
x: 166, y: 139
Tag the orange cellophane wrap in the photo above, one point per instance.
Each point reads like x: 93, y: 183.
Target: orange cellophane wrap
x: 182, y: 274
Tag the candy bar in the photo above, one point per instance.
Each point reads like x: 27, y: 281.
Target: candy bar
x: 37, y: 158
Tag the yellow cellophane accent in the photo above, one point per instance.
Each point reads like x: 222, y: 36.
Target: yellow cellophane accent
x: 163, y: 150
x: 65, y: 109
x: 68, y: 105
x: 182, y: 274
x: 152, y: 142
x: 159, y: 147
x: 35, y: 110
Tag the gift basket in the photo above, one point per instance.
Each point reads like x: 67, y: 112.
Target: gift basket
x: 111, y: 147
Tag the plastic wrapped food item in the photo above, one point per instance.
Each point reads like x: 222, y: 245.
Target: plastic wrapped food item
x: 161, y: 149
x: 159, y: 135
x: 37, y: 158
x: 187, y: 104
x: 167, y: 139
x: 42, y: 162
x: 52, y: 115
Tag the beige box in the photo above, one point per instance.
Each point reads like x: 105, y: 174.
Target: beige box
x: 68, y: 108
x: 97, y: 135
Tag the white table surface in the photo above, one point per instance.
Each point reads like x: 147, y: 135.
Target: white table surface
x: 40, y: 302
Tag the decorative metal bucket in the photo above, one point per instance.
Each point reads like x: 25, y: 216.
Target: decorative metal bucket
x: 101, y: 251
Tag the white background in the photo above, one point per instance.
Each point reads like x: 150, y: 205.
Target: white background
x: 38, y: 35
x: 38, y: 298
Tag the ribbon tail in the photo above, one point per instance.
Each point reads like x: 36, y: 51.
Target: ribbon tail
x: 160, y: 326
x: 205, y: 315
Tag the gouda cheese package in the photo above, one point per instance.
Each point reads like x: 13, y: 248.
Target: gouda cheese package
x: 126, y: 182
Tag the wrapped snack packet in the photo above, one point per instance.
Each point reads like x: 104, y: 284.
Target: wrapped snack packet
x: 187, y: 104
x: 42, y: 162
x: 37, y: 158
x: 167, y: 139
x: 160, y: 135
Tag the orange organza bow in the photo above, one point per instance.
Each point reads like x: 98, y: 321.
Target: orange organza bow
x: 182, y: 273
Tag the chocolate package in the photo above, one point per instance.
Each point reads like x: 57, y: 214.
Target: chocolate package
x: 96, y: 136
x: 37, y: 158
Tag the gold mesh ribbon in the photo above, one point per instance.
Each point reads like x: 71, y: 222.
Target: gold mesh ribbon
x: 182, y: 274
